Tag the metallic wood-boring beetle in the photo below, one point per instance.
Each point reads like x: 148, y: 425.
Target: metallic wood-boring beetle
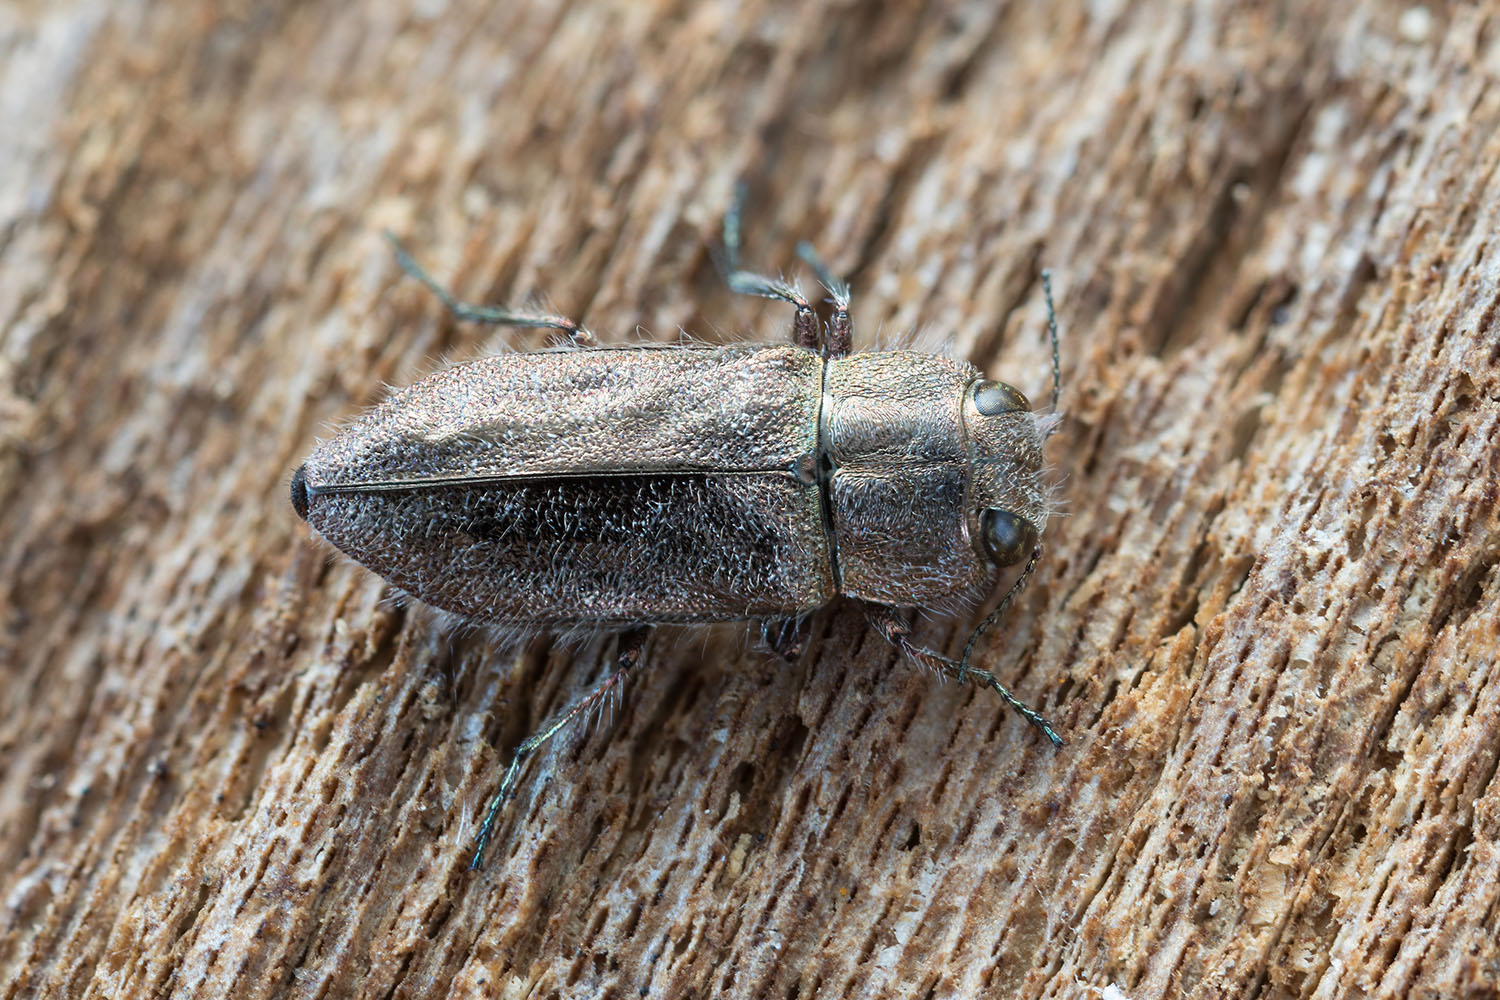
x: 597, y: 487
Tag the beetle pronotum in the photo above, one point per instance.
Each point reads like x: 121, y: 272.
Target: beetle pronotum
x: 599, y: 487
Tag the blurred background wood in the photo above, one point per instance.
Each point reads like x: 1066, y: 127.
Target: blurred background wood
x: 230, y: 764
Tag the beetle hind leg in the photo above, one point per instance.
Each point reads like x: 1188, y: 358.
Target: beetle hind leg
x: 627, y: 658
x: 489, y: 315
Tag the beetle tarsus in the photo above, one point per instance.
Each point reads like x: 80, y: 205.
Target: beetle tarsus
x: 627, y: 658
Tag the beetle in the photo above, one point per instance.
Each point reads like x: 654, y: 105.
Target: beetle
x: 591, y: 487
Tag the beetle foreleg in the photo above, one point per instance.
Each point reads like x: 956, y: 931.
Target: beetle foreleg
x: 626, y: 659
x: 489, y: 315
x: 897, y: 631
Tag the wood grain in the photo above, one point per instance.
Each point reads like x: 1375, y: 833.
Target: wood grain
x: 232, y: 765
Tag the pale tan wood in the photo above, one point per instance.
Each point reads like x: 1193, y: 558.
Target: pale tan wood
x: 230, y: 765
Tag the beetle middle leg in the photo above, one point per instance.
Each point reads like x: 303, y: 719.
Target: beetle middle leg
x: 488, y: 315
x: 897, y: 631
x: 786, y: 637
x: 627, y: 658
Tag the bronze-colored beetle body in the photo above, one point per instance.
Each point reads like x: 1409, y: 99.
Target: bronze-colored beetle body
x: 617, y: 487
x: 629, y: 487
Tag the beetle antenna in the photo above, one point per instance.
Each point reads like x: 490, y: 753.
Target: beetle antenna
x: 1000, y: 609
x: 897, y: 631
x: 1052, y: 334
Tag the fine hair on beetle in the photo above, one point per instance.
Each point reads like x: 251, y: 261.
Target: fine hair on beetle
x: 588, y: 488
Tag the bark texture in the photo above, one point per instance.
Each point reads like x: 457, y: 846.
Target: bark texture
x: 232, y: 765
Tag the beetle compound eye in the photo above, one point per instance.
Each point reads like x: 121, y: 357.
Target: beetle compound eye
x: 994, y: 398
x: 1007, y: 538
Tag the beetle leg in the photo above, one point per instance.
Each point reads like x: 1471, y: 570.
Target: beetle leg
x: 841, y: 330
x: 786, y: 637
x: 897, y: 631
x: 489, y: 315
x: 627, y: 658
x: 805, y: 322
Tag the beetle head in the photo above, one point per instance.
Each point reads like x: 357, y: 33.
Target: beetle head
x: 1008, y: 491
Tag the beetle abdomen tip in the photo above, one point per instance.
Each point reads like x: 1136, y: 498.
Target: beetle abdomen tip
x: 299, y: 491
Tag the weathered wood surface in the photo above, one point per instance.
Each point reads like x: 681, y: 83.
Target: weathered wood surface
x: 229, y: 765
